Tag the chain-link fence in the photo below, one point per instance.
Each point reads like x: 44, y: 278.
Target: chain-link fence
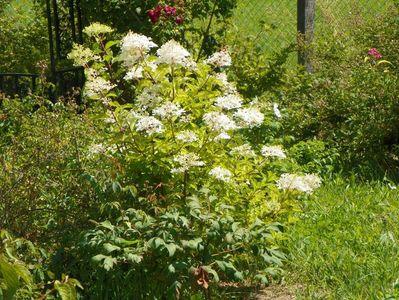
x: 275, y: 22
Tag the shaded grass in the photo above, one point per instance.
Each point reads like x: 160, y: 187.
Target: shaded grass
x: 346, y: 245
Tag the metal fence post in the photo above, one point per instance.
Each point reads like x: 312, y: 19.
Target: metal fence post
x: 305, y: 26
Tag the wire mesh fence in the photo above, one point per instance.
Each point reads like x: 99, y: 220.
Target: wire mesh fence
x: 275, y: 22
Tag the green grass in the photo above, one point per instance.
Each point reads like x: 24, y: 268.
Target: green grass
x: 346, y: 245
x: 279, y: 17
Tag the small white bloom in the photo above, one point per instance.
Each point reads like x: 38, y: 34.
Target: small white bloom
x: 273, y: 151
x: 186, y: 162
x: 222, y: 136
x: 229, y: 102
x: 110, y: 119
x: 95, y: 29
x: 149, y: 125
x: 249, y: 117
x: 218, y: 122
x: 312, y: 180
x: 228, y: 87
x: 243, y: 150
x: 221, y: 174
x: 135, y: 47
x: 168, y: 110
x: 81, y: 56
x: 173, y: 53
x: 187, y: 136
x: 219, y: 59
x: 306, y: 183
x: 149, y: 98
x: 135, y: 73
x: 276, y: 111
x: 97, y: 86
x: 96, y: 149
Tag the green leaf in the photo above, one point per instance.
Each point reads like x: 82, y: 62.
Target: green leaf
x: 107, y: 224
x: 156, y: 242
x: 109, y: 262
x: 171, y: 269
x: 211, y: 271
x: 110, y: 44
x: 110, y: 248
x: 10, y: 278
x: 98, y: 257
x: 134, y: 258
x: 171, y: 249
x: 239, y: 276
x: 67, y: 291
x: 23, y: 273
x: 116, y: 187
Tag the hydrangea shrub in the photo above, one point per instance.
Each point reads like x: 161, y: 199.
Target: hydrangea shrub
x: 199, y: 196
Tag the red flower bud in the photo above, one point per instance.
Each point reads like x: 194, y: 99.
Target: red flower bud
x: 154, y: 14
x: 179, y: 20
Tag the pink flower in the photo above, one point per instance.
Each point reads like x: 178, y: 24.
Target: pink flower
x: 169, y: 10
x: 179, y: 20
x: 373, y: 52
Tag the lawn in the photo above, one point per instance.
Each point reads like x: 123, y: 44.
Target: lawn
x: 346, y: 244
x: 278, y: 18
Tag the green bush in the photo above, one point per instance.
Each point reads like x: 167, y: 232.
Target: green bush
x: 350, y: 102
x: 23, y: 35
x: 42, y: 194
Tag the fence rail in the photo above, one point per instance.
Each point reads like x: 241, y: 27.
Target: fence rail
x: 18, y: 83
x: 65, y: 81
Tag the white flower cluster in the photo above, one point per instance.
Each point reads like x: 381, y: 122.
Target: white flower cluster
x: 81, y: 56
x: 276, y: 111
x: 273, y: 151
x: 110, y: 119
x: 228, y: 88
x: 97, y: 86
x: 149, y: 125
x: 218, y: 122
x: 95, y: 29
x: 135, y: 73
x: 149, y: 98
x: 222, y: 136
x: 187, y: 136
x: 306, y: 183
x: 219, y: 59
x: 228, y: 102
x: 168, y: 110
x: 221, y: 174
x: 243, y: 150
x: 173, y: 53
x: 96, y: 149
x: 249, y: 117
x: 135, y: 47
x: 186, y: 162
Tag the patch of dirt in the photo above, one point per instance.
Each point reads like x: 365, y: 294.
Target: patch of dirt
x: 277, y: 292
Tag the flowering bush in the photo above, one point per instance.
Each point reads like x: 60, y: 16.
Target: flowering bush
x: 192, y: 196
